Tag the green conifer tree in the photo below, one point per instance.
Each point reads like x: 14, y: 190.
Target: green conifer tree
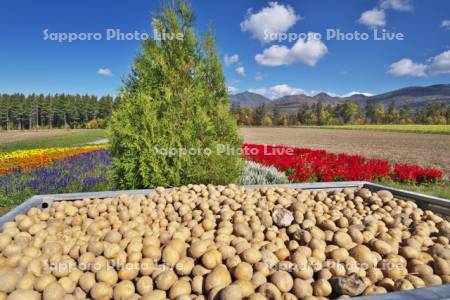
x: 174, y: 99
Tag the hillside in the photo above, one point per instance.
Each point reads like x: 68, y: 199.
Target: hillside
x: 415, y: 97
x: 248, y: 99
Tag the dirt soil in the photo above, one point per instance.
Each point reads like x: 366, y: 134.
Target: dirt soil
x: 426, y: 150
x: 26, y: 135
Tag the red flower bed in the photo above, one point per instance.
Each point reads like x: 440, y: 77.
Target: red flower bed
x: 302, y: 165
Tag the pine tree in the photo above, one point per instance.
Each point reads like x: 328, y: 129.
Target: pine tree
x: 259, y: 114
x: 277, y: 117
x: 370, y: 111
x: 175, y: 99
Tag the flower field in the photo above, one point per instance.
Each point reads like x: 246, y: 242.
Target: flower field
x: 29, y: 159
x: 303, y: 165
x: 64, y: 170
x: 54, y: 171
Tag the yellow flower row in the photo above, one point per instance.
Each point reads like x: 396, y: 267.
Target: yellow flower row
x: 33, y: 152
x: 27, y: 159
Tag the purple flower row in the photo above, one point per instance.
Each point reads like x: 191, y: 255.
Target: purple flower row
x: 84, y: 172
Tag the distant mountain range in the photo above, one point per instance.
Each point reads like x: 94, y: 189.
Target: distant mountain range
x: 415, y: 97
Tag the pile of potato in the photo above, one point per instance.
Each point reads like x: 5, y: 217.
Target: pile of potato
x: 224, y: 242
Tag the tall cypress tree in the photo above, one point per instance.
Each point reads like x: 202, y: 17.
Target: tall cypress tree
x: 175, y: 99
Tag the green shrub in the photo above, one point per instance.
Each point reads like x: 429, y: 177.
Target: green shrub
x: 255, y: 173
x: 175, y: 98
x: 97, y: 124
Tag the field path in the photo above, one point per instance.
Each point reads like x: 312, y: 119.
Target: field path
x: 426, y: 150
x: 12, y: 136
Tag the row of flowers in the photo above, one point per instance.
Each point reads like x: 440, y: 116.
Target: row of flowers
x: 30, y: 159
x: 87, y: 171
x: 24, y: 173
x: 303, y: 165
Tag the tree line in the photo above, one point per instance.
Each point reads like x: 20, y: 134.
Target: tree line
x: 344, y: 113
x: 19, y: 111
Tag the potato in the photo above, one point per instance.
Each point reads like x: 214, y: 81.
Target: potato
x: 231, y: 292
x: 108, y: 276
x: 8, y: 281
x: 101, y: 291
x: 441, y: 266
x: 129, y: 271
x: 170, y: 255
x: 422, y: 269
x: 43, y: 281
x: 431, y: 279
x: 26, y: 282
x: 282, y: 280
x: 151, y: 251
x: 146, y: 266
x: 197, y: 285
x: 364, y: 256
x: 144, y: 285
x: 374, y: 290
x: 322, y: 288
x: 243, y: 271
x: 252, y: 255
x: 408, y: 252
x: 241, y: 229
x: 343, y: 240
x: 403, y: 285
x: 123, y: 290
x: 181, y: 287
x: 219, y: 277
x: 270, y: 291
x: 87, y: 281
x: 302, y: 288
x: 53, y: 291
x: 258, y: 279
x: 67, y: 284
x: 382, y: 247
x: 246, y: 287
x: 165, y: 280
x: 155, y: 295
x: 21, y: 294
x: 211, y: 259
x: 339, y: 255
x: 416, y: 281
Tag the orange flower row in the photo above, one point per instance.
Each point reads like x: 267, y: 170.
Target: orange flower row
x: 29, y: 159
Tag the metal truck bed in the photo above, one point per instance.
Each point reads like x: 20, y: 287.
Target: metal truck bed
x: 438, y: 205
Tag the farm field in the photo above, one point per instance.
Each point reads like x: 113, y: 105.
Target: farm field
x: 47, y: 172
x: 26, y: 139
x: 426, y: 150
x: 417, y: 128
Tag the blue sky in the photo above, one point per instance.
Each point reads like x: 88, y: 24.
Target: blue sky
x: 28, y: 63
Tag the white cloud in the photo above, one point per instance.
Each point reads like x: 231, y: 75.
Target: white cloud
x: 401, y: 5
x: 445, y: 24
x: 406, y: 67
x: 105, y: 72
x: 270, y: 21
x: 258, y: 76
x: 376, y: 17
x: 232, y: 90
x: 357, y: 93
x: 278, y: 91
x: 440, y: 64
x: 240, y: 71
x: 373, y: 18
x: 307, y: 52
x: 232, y: 59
